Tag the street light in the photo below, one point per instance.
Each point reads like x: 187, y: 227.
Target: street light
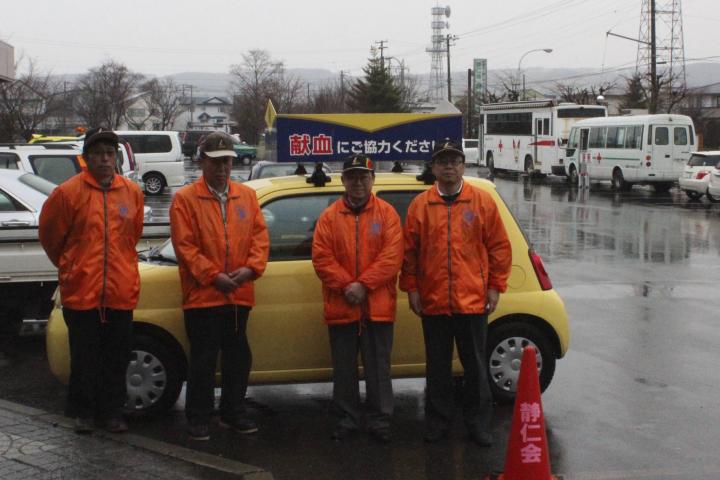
x: 546, y: 50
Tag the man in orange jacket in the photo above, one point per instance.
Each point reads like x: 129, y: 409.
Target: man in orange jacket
x: 222, y: 245
x: 457, y: 262
x: 357, y: 253
x: 89, y: 227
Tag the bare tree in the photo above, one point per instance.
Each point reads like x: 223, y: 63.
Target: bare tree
x: 164, y: 101
x: 27, y: 102
x: 105, y: 93
x: 581, y: 95
x: 257, y: 79
x: 508, y: 89
x: 329, y: 98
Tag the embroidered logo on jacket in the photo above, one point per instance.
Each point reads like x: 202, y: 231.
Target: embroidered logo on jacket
x: 240, y: 212
x: 123, y: 210
x: 376, y: 228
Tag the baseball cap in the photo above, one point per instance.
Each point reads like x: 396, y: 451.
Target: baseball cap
x: 218, y: 144
x: 446, y: 146
x: 358, y: 162
x: 99, y: 134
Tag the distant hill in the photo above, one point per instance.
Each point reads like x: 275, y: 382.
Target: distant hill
x: 541, y: 79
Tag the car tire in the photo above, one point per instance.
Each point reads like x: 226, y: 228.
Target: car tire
x: 490, y: 162
x: 693, y: 195
x: 505, y: 348
x: 712, y: 198
x: 572, y: 177
x: 154, y: 378
x: 245, y: 160
x: 154, y: 184
x: 529, y: 167
x: 618, y: 181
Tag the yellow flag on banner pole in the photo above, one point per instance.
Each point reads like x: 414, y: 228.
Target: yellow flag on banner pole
x: 270, y: 114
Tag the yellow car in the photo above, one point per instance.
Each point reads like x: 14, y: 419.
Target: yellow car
x: 286, y: 329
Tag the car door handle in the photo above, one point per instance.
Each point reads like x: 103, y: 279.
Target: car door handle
x: 667, y: 156
x: 16, y: 223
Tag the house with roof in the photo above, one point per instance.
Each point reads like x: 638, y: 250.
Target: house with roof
x: 206, y: 113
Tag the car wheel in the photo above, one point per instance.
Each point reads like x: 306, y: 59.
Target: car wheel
x: 245, y: 159
x: 693, y: 195
x: 154, y: 184
x: 572, y: 177
x: 618, y: 181
x: 153, y: 376
x: 529, y: 168
x: 712, y: 198
x: 490, y: 162
x: 505, y: 350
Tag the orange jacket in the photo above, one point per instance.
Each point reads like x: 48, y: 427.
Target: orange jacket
x: 90, y: 234
x: 365, y: 248
x: 206, y: 247
x: 453, y: 254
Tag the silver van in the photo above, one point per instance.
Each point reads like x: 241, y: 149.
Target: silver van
x: 159, y: 158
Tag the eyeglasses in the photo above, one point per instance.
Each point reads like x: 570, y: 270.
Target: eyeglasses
x: 453, y: 162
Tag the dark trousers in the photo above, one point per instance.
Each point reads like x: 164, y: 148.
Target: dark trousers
x: 469, y: 333
x: 99, y: 356
x: 212, y: 330
x: 375, y: 346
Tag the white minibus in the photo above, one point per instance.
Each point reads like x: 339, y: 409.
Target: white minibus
x: 642, y: 149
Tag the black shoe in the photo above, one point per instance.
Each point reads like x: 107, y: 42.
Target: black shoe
x: 435, y: 434
x: 342, y: 432
x: 200, y: 431
x: 382, y: 435
x: 83, y: 425
x: 240, y: 425
x: 116, y: 425
x: 481, y: 437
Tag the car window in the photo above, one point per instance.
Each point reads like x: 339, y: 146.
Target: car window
x: 149, y: 143
x: 9, y: 161
x: 399, y: 200
x: 662, y: 136
x: 680, y: 136
x: 55, y: 169
x: 291, y: 224
x: 9, y: 204
x: 703, y: 160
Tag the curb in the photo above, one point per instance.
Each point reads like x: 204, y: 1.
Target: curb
x: 243, y: 470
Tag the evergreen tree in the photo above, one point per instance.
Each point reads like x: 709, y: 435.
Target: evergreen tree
x: 636, y: 96
x: 377, y: 92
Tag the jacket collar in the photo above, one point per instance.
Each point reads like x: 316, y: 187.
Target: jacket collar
x: 464, y: 196
x: 202, y: 190
x: 90, y: 180
x: 345, y: 209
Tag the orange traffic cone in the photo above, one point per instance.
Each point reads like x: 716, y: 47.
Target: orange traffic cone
x: 528, y: 456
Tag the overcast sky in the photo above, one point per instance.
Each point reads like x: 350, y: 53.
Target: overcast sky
x: 160, y: 37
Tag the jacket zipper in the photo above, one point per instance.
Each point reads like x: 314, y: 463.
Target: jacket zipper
x: 449, y: 253
x: 105, y: 257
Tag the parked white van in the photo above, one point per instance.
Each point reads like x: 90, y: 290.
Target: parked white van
x: 159, y: 157
x: 643, y: 149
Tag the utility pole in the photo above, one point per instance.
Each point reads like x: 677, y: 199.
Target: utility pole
x: 342, y: 89
x: 382, y: 52
x: 653, y: 62
x: 449, y: 38
x: 470, y: 109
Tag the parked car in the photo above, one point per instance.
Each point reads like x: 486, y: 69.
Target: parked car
x: 245, y: 153
x: 472, y: 151
x: 159, y: 157
x: 286, y: 331
x: 22, y: 196
x: 696, y: 176
x: 713, y: 187
x: 58, y: 161
x: 265, y: 169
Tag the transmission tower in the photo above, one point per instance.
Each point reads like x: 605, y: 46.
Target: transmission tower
x: 661, y: 30
x: 438, y: 50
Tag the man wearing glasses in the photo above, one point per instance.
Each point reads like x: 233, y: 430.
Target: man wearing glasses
x: 89, y: 227
x: 357, y: 252
x: 457, y: 261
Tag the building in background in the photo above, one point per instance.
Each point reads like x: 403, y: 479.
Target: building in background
x: 7, y: 62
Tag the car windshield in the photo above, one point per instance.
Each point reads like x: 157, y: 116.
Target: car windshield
x: 37, y: 183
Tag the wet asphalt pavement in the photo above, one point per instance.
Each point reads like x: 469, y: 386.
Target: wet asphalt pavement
x: 636, y: 397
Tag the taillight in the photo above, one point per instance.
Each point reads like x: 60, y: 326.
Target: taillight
x: 701, y: 175
x: 540, y: 272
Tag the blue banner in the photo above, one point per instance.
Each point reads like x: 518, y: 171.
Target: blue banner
x: 382, y: 137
